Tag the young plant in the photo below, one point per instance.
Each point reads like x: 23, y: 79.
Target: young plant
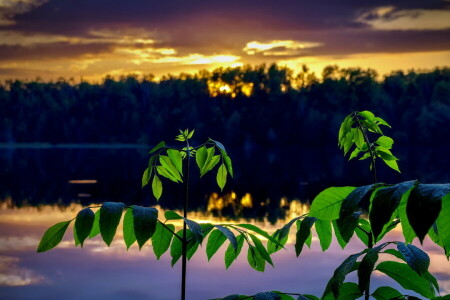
x: 421, y: 209
x: 141, y: 224
x: 354, y: 133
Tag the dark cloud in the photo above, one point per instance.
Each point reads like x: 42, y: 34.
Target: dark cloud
x: 212, y: 27
x: 60, y: 50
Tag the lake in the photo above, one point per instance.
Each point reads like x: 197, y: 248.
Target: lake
x: 45, y: 185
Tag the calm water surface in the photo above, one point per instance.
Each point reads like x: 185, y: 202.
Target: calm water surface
x: 42, y: 187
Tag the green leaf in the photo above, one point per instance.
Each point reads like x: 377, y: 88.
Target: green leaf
x: 262, y: 251
x: 406, y: 277
x: 176, y: 246
x: 110, y: 214
x: 83, y: 224
x: 386, y: 293
x: 52, y: 236
x: 75, y: 237
x: 221, y: 176
x: 366, y: 267
x: 196, y: 230
x: 215, y: 240
x: 327, y: 204
x: 157, y: 147
x: 210, y: 164
x: 228, y: 234
x: 171, y: 215
x: 385, y: 142
x: 385, y: 153
x: 96, y: 226
x: 190, y: 134
x: 162, y: 238
x: 359, y: 138
x: 407, y: 230
x: 354, y: 153
x: 165, y: 173
x: 258, y: 231
x: 200, y: 157
x: 144, y: 220
x: 424, y: 205
x: 282, y: 240
x: 349, y: 291
x: 167, y: 164
x: 395, y: 253
x: 340, y: 273
x: 347, y: 225
x: 383, y: 204
x: 324, y: 233
x: 232, y: 253
x: 351, y: 203
x: 348, y: 140
x: 392, y: 164
x: 157, y: 187
x: 307, y: 297
x: 146, y: 177
x: 176, y: 159
x: 344, y: 128
x: 128, y: 228
x: 303, y: 233
x: 209, y: 156
x: 382, y: 122
x: 362, y: 231
x: 339, y: 238
x: 443, y: 224
x: 417, y: 259
x: 255, y: 259
x: 228, y: 164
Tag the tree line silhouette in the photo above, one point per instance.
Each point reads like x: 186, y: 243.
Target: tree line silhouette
x: 251, y: 105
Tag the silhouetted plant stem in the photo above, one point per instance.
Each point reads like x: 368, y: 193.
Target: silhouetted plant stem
x: 374, y: 180
x: 184, y: 241
x: 366, y: 139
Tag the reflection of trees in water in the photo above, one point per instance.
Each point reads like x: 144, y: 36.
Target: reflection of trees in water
x: 266, y: 182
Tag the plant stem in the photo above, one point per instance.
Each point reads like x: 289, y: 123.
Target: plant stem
x: 366, y: 139
x: 374, y: 174
x: 184, y: 241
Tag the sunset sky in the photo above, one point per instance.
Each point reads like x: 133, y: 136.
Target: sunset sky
x: 89, y: 39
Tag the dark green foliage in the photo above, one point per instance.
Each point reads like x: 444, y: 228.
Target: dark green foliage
x: 303, y: 233
x: 366, y: 267
x: 406, y: 277
x: 386, y: 293
x: 83, y: 224
x: 128, y: 228
x: 215, y: 240
x: 417, y: 259
x: 144, y: 222
x: 110, y: 214
x: 233, y: 252
x: 383, y: 204
x: 424, y: 206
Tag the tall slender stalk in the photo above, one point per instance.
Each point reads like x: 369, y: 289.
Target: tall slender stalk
x: 374, y: 175
x: 184, y: 241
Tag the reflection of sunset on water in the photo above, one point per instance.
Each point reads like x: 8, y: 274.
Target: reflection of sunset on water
x: 95, y: 265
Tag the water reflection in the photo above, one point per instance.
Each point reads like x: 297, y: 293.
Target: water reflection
x: 99, y: 272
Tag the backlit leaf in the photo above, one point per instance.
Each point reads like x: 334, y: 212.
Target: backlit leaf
x: 385, y: 142
x: 324, y: 233
x: 232, y: 253
x: 157, y: 187
x: 255, y: 260
x: 215, y: 240
x: 228, y: 164
x: 261, y: 249
x: 167, y: 164
x: 327, y: 204
x: 83, y: 224
x: 200, y: 157
x: 171, y: 215
x: 52, y: 236
x: 303, y: 233
x: 157, y: 147
x: 146, y: 177
x: 162, y: 238
x: 221, y: 176
x: 110, y: 214
x: 386, y: 293
x: 443, y: 225
x: 128, y: 228
x: 96, y: 226
x: 228, y: 234
x: 195, y: 229
x: 176, y: 159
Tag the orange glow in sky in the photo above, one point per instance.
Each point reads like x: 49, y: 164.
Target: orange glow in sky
x: 50, y: 39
